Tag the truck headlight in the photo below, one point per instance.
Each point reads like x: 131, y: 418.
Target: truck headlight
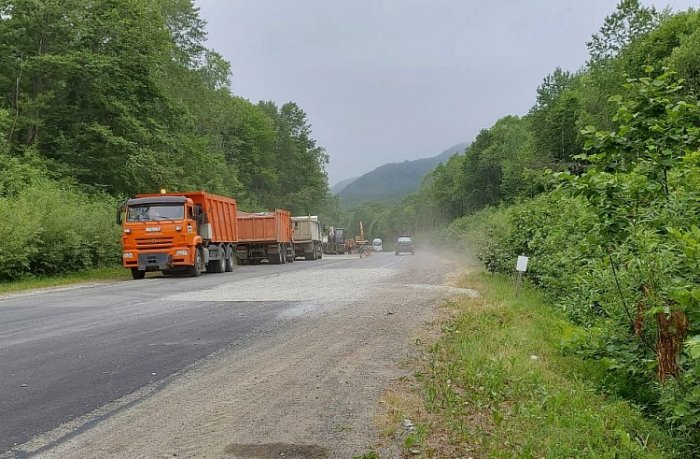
x: 128, y: 255
x: 183, y: 252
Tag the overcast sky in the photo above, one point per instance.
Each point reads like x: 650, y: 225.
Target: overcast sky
x: 388, y: 80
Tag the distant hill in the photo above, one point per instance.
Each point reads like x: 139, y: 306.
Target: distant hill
x: 393, y: 181
x: 340, y: 186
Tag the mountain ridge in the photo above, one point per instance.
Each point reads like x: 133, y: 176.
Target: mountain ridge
x: 392, y: 181
x: 340, y: 186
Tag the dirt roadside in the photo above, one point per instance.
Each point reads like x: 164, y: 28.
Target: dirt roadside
x: 311, y: 390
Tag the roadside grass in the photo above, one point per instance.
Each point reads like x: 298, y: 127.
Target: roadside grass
x: 29, y: 283
x: 500, y: 384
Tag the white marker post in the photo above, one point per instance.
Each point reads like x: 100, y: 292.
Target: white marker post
x: 521, y: 267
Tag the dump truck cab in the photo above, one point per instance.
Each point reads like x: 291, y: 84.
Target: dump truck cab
x: 159, y: 233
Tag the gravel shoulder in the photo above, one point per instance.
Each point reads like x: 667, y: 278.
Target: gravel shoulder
x: 309, y: 389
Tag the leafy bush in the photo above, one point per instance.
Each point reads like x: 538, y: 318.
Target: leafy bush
x: 618, y: 249
x: 51, y: 229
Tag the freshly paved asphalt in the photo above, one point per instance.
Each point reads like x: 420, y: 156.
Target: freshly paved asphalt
x: 66, y: 353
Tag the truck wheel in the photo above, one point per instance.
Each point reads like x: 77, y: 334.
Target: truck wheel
x: 137, y: 274
x: 217, y: 266
x: 196, y: 270
x: 230, y: 261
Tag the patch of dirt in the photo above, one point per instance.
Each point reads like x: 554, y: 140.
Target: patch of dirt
x: 276, y: 451
x: 315, y: 379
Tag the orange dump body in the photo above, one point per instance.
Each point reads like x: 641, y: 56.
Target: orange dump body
x: 265, y: 227
x: 221, y: 213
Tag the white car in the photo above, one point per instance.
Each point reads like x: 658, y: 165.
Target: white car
x: 377, y: 245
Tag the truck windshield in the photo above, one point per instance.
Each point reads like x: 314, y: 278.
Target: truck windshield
x: 155, y: 212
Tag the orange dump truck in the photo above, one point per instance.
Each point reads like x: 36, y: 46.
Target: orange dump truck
x: 265, y: 236
x: 170, y: 232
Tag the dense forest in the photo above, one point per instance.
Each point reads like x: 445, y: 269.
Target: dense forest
x: 599, y: 184
x: 101, y: 100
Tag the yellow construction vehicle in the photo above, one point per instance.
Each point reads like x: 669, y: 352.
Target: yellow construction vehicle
x: 362, y: 244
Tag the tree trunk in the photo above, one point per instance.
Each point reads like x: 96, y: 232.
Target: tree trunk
x: 673, y: 329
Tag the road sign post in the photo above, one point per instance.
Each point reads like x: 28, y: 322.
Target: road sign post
x: 521, y: 267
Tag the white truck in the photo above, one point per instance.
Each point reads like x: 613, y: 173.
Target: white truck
x: 307, y: 237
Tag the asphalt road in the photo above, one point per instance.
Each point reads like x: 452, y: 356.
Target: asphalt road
x: 68, y: 352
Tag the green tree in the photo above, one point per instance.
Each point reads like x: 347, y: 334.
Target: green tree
x: 629, y: 21
x: 555, y: 116
x: 302, y: 183
x: 84, y: 92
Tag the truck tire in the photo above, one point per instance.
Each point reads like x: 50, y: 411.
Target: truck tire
x: 230, y: 259
x: 196, y: 269
x: 290, y: 255
x: 276, y: 258
x: 137, y: 274
x: 217, y: 266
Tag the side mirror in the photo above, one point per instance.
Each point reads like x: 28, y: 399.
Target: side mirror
x: 120, y: 211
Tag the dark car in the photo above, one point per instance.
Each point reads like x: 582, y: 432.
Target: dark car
x: 404, y: 244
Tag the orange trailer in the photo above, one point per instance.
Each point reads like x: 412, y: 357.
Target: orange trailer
x: 265, y: 235
x: 193, y: 231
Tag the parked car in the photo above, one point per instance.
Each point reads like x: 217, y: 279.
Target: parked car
x: 404, y: 244
x: 377, y: 245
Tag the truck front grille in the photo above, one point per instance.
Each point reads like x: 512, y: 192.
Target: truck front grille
x: 154, y: 242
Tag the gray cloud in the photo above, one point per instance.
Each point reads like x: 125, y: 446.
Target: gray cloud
x: 388, y: 80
